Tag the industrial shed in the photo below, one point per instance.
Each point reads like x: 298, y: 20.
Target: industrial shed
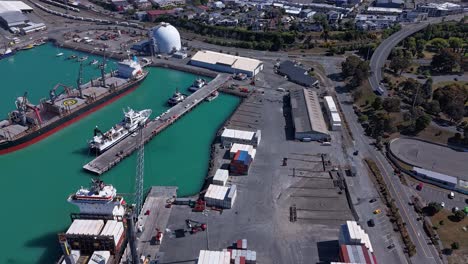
x: 297, y: 74
x: 307, y: 116
x: 226, y: 63
x: 447, y: 180
x: 10, y: 19
x: 7, y: 6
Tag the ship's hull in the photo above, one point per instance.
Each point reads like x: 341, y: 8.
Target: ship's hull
x: 4, y: 56
x: 43, y: 132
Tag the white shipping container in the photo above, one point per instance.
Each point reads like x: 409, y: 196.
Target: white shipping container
x: 86, y: 227
x: 244, y: 243
x: 221, y: 177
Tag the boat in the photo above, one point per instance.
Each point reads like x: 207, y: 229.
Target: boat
x: 83, y: 58
x: 197, y: 84
x: 30, y: 46
x: 29, y: 123
x: 59, y: 54
x: 93, y: 62
x: 98, y: 199
x: 132, y: 120
x: 8, y: 53
x: 71, y: 57
x: 176, y: 98
x: 212, y: 96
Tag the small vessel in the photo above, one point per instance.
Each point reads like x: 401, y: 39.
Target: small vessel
x: 8, y: 53
x: 176, y: 98
x: 30, y: 46
x: 83, y: 58
x: 212, y: 96
x: 93, y: 62
x: 197, y: 84
x: 59, y: 54
x: 103, y: 141
x: 71, y: 57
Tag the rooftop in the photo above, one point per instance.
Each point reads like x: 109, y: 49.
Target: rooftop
x: 14, y: 6
x: 436, y: 175
x: 307, y: 115
x: 296, y: 74
x: 240, y: 134
x: 235, y: 62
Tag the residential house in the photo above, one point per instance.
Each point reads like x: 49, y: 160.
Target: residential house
x: 307, y: 13
x: 333, y: 17
x: 121, y: 5
x: 153, y: 14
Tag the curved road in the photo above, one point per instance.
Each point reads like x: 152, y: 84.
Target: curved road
x: 383, y: 50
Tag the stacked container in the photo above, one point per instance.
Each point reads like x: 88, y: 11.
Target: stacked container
x: 220, y: 196
x: 221, y: 176
x: 240, y: 164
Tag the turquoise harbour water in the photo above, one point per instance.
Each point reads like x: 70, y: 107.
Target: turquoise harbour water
x: 38, y: 179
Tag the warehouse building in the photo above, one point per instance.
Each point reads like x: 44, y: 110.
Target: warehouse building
x: 296, y: 74
x: 7, y: 6
x: 226, y: 63
x: 308, y: 120
x: 11, y: 19
x: 439, y: 178
x: 438, y: 10
x: 32, y: 27
x: 231, y: 136
x: 332, y: 112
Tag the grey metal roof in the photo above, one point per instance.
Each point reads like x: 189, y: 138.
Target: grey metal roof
x: 296, y: 74
x: 13, y: 17
x: 436, y: 175
x: 306, y: 112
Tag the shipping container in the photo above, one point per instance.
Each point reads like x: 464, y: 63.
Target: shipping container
x: 221, y: 177
x: 236, y: 147
x: 85, y: 227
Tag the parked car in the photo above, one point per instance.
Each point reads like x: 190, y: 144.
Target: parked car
x: 452, y: 195
x: 420, y: 186
x: 372, y: 200
x: 371, y: 223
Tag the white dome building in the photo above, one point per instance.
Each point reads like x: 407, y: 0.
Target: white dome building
x: 166, y: 38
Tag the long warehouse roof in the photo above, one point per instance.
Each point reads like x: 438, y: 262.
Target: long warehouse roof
x: 239, y: 134
x: 6, y: 6
x: 436, y: 175
x: 306, y: 112
x: 235, y: 62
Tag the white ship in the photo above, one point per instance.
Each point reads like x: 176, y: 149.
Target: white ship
x: 199, y: 83
x: 103, y: 141
x: 99, y: 199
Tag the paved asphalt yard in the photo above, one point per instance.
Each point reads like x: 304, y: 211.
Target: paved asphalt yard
x: 261, y: 212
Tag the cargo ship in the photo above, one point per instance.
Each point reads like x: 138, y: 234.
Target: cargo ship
x: 7, y: 53
x: 30, y: 123
x: 98, y: 231
x: 104, y: 141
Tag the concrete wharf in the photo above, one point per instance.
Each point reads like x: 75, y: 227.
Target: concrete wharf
x: 124, y: 148
x: 156, y: 219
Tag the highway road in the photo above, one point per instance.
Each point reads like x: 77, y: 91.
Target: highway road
x: 383, y: 51
x: 385, y: 48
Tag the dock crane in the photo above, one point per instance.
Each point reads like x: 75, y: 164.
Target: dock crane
x: 133, y: 213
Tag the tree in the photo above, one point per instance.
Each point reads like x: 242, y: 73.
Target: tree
x: 452, y: 99
x: 434, y: 208
x: 426, y: 89
x: 391, y: 104
x: 355, y: 68
x: 455, y: 43
x: 399, y: 63
x: 377, y: 104
x: 410, y: 45
x: 422, y: 122
x: 420, y: 45
x: 433, y: 107
x: 459, y: 215
x: 444, y: 61
x: 439, y: 43
x: 455, y: 245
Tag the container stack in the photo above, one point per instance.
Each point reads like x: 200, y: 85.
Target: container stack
x: 236, y: 147
x: 240, y: 164
x: 220, y: 196
x: 213, y: 257
x: 237, y: 255
x: 221, y: 177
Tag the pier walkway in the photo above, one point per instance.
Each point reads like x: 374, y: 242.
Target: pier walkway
x: 157, y: 219
x: 124, y: 148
